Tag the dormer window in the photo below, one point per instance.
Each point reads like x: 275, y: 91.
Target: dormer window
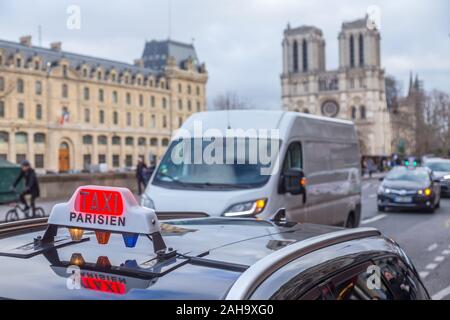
x: 36, y: 65
x: 18, y: 62
x: 99, y: 75
x: 113, y: 77
x: 85, y: 74
x: 64, y: 70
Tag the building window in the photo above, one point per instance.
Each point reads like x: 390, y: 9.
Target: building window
x: 101, y: 117
x: 141, y: 100
x: 128, y: 98
x: 305, y: 55
x: 87, y: 139
x: 3, y: 156
x: 361, y: 50
x: 20, y: 86
x: 164, y: 122
x: 352, y: 51
x: 189, y: 89
x: 86, y: 93
x: 64, y: 71
x: 87, y: 161
x: 101, y: 96
x: 38, y: 88
x: 115, y: 161
x: 141, y: 120
x: 115, y: 118
x: 128, y: 160
x: 38, y: 112
x: 197, y: 89
x: 64, y: 91
x: 85, y: 73
x: 189, y: 105
x: 102, y: 140
x: 362, y: 112
x: 352, y: 83
x: 180, y: 104
x: 87, y: 115
x: 128, y: 118
x: 142, y: 141
x: 353, y: 113
x: 154, y: 142
x: 39, y: 161
x: 99, y: 75
x: 180, y: 121
x: 20, y: 111
x: 165, y: 142
x: 153, y: 121
x: 180, y: 88
x: 4, y: 137
x: 2, y: 109
x: 115, y: 97
x: 198, y: 106
x: 20, y: 157
x: 129, y: 141
x: 21, y: 138
x: 101, y: 158
x: 116, y: 141
x: 152, y: 101
x: 2, y: 83
x: 164, y: 103
x: 18, y: 62
x: 36, y: 65
x: 295, y: 56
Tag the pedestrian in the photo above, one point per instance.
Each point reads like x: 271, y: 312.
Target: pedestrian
x: 31, y: 186
x: 370, y: 167
x: 141, y: 174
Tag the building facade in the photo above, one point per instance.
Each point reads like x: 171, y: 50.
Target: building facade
x: 65, y: 112
x: 355, y: 91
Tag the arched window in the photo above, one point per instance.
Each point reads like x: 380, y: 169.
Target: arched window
x: 87, y: 139
x: 38, y: 88
x: 180, y: 104
x: 38, y: 112
x: 20, y: 86
x: 2, y: 109
x: 64, y: 91
x: 189, y: 89
x: 142, y: 141
x: 305, y: 55
x: 154, y: 142
x: 20, y: 111
x: 352, y: 51
x: 39, y: 138
x: 129, y: 141
x: 361, y: 50
x: 353, y: 112
x: 86, y: 93
x: 87, y: 115
x: 152, y: 121
x: 4, y: 137
x: 102, y: 140
x: 164, y: 103
x: 21, y: 137
x: 2, y: 83
x: 295, y: 55
x: 116, y: 140
x: 362, y: 112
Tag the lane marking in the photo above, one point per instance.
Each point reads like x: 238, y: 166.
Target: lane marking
x: 441, y: 294
x: 431, y: 266
x: 446, y: 252
x: 376, y: 218
x: 439, y: 259
x: 423, y: 274
x: 432, y: 247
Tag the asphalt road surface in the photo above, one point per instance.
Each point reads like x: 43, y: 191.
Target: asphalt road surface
x: 425, y: 237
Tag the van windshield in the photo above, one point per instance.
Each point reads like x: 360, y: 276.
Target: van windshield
x: 217, y: 163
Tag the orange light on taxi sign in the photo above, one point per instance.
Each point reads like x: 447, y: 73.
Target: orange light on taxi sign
x: 102, y: 236
x: 98, y: 201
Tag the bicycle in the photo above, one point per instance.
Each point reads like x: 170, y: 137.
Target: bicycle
x: 17, y: 211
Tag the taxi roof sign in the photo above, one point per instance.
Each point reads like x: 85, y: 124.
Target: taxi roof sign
x: 105, y: 209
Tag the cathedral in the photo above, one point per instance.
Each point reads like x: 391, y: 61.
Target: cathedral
x: 354, y: 91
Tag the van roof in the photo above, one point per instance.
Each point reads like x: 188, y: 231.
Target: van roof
x: 248, y: 119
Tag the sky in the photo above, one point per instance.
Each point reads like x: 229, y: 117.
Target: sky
x: 240, y: 40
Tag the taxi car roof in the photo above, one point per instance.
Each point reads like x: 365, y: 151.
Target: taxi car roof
x: 221, y: 250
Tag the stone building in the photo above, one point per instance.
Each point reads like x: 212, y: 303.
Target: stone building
x: 355, y: 90
x: 65, y: 111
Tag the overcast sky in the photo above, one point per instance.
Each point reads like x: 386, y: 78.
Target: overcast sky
x: 240, y: 40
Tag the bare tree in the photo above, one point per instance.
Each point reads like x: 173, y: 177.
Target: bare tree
x: 393, y: 92
x: 231, y: 101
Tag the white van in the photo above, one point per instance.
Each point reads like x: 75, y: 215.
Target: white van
x: 314, y: 169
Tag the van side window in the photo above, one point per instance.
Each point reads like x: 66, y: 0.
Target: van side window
x: 293, y: 159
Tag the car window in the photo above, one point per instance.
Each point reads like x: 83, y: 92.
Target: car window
x: 293, y: 158
x: 401, y: 280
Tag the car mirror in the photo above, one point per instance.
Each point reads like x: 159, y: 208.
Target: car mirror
x: 294, y: 181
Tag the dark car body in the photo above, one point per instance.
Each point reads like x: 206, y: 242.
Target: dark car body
x: 408, y: 192
x: 441, y: 171
x: 216, y: 259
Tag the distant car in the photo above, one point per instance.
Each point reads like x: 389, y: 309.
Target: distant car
x: 90, y: 250
x: 441, y: 170
x: 409, y: 187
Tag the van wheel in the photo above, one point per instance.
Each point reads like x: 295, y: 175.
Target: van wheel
x: 351, y: 221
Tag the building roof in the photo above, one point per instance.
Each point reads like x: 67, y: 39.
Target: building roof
x: 156, y: 53
x: 302, y: 30
x: 355, y: 24
x: 52, y: 56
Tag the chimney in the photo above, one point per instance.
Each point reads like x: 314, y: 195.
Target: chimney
x: 139, y: 62
x: 25, y: 40
x: 55, y: 46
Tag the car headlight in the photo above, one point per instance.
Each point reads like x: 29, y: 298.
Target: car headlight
x: 382, y: 190
x: 246, y: 208
x: 147, y: 202
x: 447, y: 177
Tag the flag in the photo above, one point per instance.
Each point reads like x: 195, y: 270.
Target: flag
x: 64, y: 117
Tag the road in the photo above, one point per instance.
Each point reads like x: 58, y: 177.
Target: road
x: 425, y: 238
